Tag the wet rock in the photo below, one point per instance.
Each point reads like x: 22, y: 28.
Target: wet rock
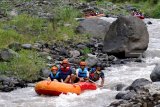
x: 8, y: 84
x: 155, y: 75
x: 125, y: 39
x: 93, y: 26
x: 154, y: 88
x: 74, y: 53
x: 15, y: 46
x: 149, y: 22
x: 119, y: 87
x: 120, y: 95
x: 112, y: 58
x: 138, y: 60
x: 103, y: 57
x: 26, y: 46
x: 119, y: 61
x: 138, y: 83
x: 129, y: 95
x: 7, y: 54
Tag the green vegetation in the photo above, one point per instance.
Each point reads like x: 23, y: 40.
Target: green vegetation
x: 86, y: 51
x: 26, y: 66
x: 25, y: 28
x: 148, y: 7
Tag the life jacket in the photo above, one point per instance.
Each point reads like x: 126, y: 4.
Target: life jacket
x: 54, y: 76
x: 82, y: 73
x: 65, y: 69
x: 95, y: 76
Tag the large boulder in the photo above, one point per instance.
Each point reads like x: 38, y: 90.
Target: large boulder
x: 94, y: 26
x: 125, y: 95
x: 127, y: 37
x: 7, y: 54
x: 139, y: 83
x: 155, y: 75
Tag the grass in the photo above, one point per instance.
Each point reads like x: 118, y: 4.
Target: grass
x: 8, y: 37
x: 29, y: 29
x: 149, y: 7
x: 27, y: 66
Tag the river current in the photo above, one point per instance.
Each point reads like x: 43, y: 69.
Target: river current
x: 116, y: 74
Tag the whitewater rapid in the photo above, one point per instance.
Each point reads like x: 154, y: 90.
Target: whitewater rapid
x: 117, y: 74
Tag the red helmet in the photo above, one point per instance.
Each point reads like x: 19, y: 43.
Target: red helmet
x: 65, y: 61
x: 83, y: 63
x: 54, y: 68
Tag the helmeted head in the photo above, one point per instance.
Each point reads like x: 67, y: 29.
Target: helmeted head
x: 65, y: 63
x: 99, y: 66
x: 54, y: 68
x: 82, y: 64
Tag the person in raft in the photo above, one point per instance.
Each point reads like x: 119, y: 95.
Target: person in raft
x: 82, y: 73
x: 96, y: 74
x: 54, y: 75
x: 65, y: 71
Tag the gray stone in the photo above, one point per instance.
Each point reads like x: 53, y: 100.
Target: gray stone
x: 149, y: 22
x: 94, y: 26
x: 119, y: 87
x: 139, y: 83
x: 26, y: 46
x: 112, y: 58
x: 8, y: 84
x: 127, y: 37
x: 155, y: 75
x: 43, y: 54
x: 91, y: 61
x: 120, y: 95
x: 81, y: 46
x: 44, y: 72
x: 7, y: 54
x: 129, y: 95
x: 74, y: 53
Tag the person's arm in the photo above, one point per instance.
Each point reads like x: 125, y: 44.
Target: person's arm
x: 61, y: 80
x: 60, y: 76
x: 77, y: 73
x: 102, y: 82
x: 49, y: 77
x: 87, y: 74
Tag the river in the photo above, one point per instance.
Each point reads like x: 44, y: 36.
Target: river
x: 117, y: 74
